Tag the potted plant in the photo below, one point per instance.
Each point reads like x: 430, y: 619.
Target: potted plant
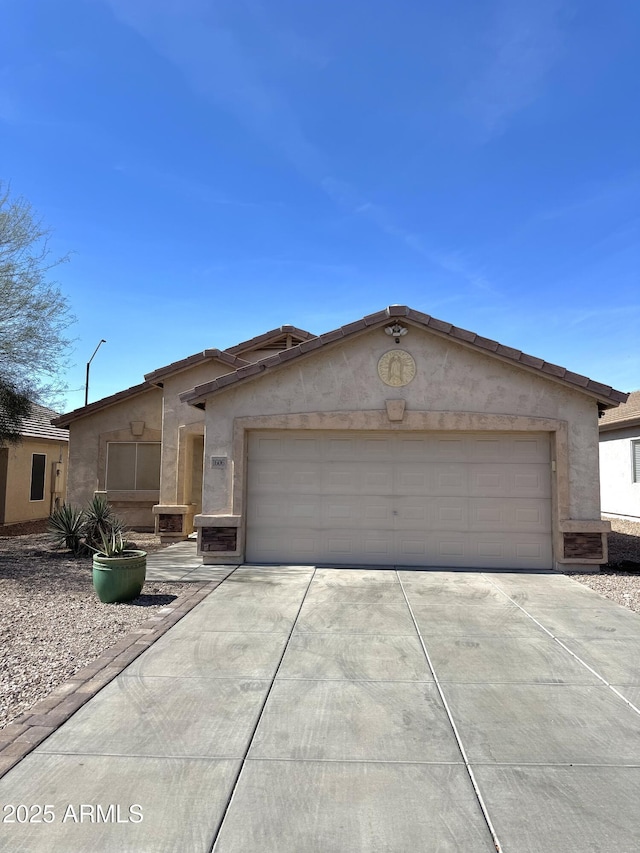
x: 118, y: 571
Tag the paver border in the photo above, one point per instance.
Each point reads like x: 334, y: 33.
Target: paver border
x: 30, y: 729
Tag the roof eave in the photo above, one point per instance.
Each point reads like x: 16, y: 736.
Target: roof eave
x: 621, y: 424
x: 67, y: 418
x: 273, y: 334
x: 40, y: 437
x: 605, y: 396
x: 156, y: 376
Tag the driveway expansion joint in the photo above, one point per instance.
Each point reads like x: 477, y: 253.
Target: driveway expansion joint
x: 456, y: 734
x: 567, y: 649
x: 259, y: 717
x: 293, y: 796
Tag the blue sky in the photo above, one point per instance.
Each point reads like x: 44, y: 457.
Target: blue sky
x: 220, y: 168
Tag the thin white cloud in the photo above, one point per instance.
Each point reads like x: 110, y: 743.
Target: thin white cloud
x: 215, y: 64
x: 521, y: 45
x: 185, y: 187
x: 609, y: 315
x: 597, y: 196
x: 453, y: 261
x: 281, y: 40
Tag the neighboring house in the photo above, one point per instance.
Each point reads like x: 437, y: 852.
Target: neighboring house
x: 620, y: 459
x: 395, y: 440
x: 33, y: 472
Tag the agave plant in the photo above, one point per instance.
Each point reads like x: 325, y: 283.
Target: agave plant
x: 66, y: 526
x: 93, y: 529
x: 100, y: 521
x: 112, y: 544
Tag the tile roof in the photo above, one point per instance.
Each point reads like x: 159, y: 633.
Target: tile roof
x: 606, y: 395
x: 39, y: 425
x: 68, y: 417
x: 626, y: 414
x: 274, y: 335
x: 156, y: 376
x: 230, y: 355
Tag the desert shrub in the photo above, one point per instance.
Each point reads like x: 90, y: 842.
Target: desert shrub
x: 100, y: 522
x: 66, y: 528
x: 83, y: 531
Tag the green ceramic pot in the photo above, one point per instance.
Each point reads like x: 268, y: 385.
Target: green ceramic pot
x: 119, y: 578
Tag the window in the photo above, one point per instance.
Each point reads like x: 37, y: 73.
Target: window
x: 38, y: 466
x: 133, y: 465
x: 635, y: 461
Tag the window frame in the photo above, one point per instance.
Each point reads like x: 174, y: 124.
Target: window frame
x: 635, y: 460
x: 43, y: 456
x: 111, y: 488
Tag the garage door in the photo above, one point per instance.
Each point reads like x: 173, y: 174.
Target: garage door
x: 415, y: 499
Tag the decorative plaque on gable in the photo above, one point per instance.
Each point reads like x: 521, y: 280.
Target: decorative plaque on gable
x: 396, y: 368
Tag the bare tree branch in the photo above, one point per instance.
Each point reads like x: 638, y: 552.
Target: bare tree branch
x: 34, y: 315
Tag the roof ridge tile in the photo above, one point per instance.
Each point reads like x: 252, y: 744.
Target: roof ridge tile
x: 245, y: 370
x: 419, y: 316
x: 531, y: 361
x: 511, y: 354
x: 440, y: 325
x: 254, y: 342
x: 456, y: 332
x: 372, y: 319
x: 486, y: 343
x: 554, y: 369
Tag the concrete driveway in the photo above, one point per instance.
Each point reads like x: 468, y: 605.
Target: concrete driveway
x: 298, y: 710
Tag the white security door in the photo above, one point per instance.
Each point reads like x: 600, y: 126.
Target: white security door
x: 478, y: 500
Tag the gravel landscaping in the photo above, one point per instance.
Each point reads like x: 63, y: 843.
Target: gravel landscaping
x: 53, y: 625
x: 620, y: 579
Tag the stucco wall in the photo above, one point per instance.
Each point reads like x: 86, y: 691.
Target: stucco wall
x: 17, y: 505
x: 88, y: 437
x: 619, y: 494
x: 175, y: 484
x: 449, y: 378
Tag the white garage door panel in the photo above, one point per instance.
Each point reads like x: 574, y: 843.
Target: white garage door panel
x: 322, y: 513
x: 469, y: 500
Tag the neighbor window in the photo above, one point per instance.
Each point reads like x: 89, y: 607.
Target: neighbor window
x: 635, y: 461
x: 133, y: 465
x: 38, y: 465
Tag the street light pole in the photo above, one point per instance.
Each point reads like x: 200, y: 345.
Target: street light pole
x: 86, y: 385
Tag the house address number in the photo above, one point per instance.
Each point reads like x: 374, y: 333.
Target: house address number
x: 218, y: 461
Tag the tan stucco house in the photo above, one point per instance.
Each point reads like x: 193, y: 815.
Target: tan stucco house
x: 33, y: 472
x: 620, y: 459
x: 398, y: 439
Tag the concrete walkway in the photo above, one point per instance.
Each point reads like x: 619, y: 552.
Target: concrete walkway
x: 179, y: 562
x: 302, y: 710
